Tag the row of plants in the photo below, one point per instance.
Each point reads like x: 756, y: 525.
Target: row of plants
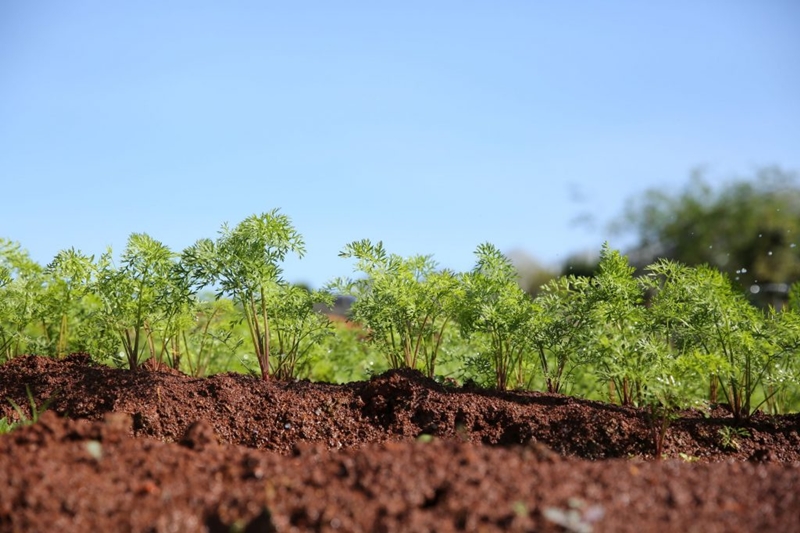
x: 666, y: 338
x: 658, y: 339
x: 220, y: 304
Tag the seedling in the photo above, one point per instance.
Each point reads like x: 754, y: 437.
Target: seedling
x: 6, y: 426
x: 619, y: 354
x: 729, y: 437
x: 24, y: 419
x: 564, y: 327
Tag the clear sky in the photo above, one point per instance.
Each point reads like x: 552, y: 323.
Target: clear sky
x: 430, y: 125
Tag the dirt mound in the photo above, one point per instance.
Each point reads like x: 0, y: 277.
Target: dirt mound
x: 156, y: 451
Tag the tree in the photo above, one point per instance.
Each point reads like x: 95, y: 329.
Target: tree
x: 749, y: 229
x: 533, y: 275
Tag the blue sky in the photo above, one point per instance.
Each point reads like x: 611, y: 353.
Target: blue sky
x: 432, y: 125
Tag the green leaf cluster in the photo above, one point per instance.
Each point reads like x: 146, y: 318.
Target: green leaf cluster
x: 245, y: 264
x: 406, y: 304
x: 495, y: 307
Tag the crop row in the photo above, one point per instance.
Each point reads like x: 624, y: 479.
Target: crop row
x: 666, y: 338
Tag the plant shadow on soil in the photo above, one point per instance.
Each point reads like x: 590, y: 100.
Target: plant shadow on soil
x: 160, y: 451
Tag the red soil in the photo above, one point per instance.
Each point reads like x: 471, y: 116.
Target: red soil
x: 155, y: 451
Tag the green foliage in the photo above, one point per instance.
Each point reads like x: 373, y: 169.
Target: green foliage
x: 296, y: 327
x: 729, y: 437
x: 619, y: 354
x: 661, y: 340
x: 208, y: 334
x: 793, y: 302
x: 564, y: 328
x: 244, y: 262
x: 495, y: 306
x: 24, y: 419
x: 405, y: 304
x: 748, y: 229
x: 20, y: 287
x: 344, y: 356
x: 780, y: 346
x: 676, y: 365
x: 67, y: 280
x: 91, y: 333
x: 6, y: 426
x: 699, y: 311
x: 137, y: 296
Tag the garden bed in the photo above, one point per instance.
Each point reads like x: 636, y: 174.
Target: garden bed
x: 159, y: 451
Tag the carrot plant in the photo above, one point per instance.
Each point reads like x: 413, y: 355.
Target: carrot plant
x: 780, y: 341
x: 177, y: 306
x: 672, y: 319
x: 405, y: 304
x: 245, y: 264
x: 564, y: 328
x: 707, y: 315
x: 617, y: 352
x: 296, y: 327
x: 20, y: 287
x: 133, y: 295
x: 494, y: 305
x: 344, y: 356
x: 68, y: 280
x: 671, y: 383
x: 207, y: 332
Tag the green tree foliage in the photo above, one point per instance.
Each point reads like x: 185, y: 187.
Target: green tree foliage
x: 532, y: 274
x: 749, y: 229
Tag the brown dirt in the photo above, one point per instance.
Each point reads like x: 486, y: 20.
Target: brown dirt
x: 157, y: 451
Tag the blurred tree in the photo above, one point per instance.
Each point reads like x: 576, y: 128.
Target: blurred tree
x: 533, y: 275
x: 748, y: 229
x: 581, y: 264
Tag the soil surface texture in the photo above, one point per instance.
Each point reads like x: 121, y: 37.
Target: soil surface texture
x: 158, y: 451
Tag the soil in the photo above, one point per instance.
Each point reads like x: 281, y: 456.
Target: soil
x: 158, y: 451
